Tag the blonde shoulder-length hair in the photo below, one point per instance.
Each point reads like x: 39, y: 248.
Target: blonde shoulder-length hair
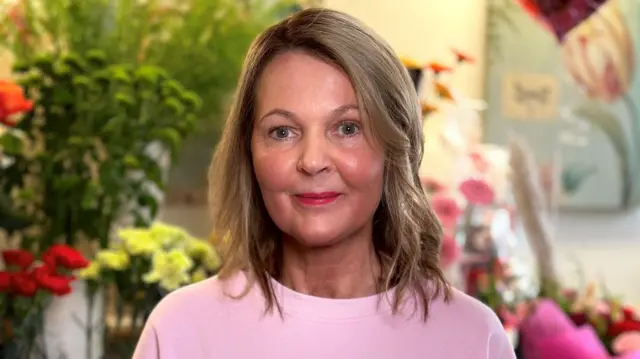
x: 407, y: 233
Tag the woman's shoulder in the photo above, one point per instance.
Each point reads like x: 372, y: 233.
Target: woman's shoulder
x: 465, y: 311
x: 207, y: 300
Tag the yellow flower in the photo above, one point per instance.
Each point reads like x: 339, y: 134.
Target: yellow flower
x: 113, y: 259
x: 169, y: 269
x: 92, y: 272
x: 410, y: 63
x: 203, y: 252
x: 167, y: 235
x: 139, y: 241
x: 198, y: 275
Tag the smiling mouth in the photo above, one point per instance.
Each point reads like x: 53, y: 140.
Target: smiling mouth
x: 317, y: 199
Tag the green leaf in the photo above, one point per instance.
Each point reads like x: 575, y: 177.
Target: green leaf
x: 130, y: 161
x: 11, y: 144
x: 168, y: 136
x: 66, y: 182
x: 148, y: 201
x: 90, y: 196
x: 574, y: 175
x: 610, y: 125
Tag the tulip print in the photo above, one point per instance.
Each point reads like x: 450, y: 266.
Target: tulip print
x: 600, y: 57
x: 561, y: 16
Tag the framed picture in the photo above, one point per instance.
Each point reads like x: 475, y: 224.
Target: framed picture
x: 569, y: 87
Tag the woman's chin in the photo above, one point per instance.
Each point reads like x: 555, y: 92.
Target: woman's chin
x: 317, y: 239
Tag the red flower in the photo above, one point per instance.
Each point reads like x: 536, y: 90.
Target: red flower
x: 629, y: 314
x: 477, y: 192
x: 50, y: 281
x: 579, y: 318
x: 5, y: 281
x: 437, y: 68
x: 12, y: 102
x: 23, y: 284
x: 446, y: 209
x: 64, y: 256
x: 17, y: 258
x: 622, y: 327
x: 462, y: 57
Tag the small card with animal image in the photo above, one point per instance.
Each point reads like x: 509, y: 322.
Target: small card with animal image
x: 530, y: 97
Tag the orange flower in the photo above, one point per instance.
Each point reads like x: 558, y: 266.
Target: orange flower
x: 427, y: 109
x: 443, y: 91
x: 462, y: 57
x: 12, y: 102
x: 438, y: 68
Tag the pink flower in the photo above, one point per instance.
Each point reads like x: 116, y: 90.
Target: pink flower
x: 479, y: 162
x: 449, y: 252
x: 627, y: 343
x: 477, y: 192
x: 446, y: 209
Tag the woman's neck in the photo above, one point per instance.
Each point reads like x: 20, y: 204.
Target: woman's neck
x: 349, y: 269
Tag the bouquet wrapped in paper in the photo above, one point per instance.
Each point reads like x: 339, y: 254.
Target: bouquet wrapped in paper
x: 549, y: 333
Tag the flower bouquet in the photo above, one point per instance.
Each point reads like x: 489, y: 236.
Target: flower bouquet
x: 26, y: 287
x: 142, y: 267
x: 580, y: 327
x: 475, y: 209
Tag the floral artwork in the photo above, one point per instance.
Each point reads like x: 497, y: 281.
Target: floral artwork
x: 593, y: 141
x: 561, y: 16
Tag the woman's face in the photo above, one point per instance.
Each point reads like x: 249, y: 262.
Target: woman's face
x: 320, y: 173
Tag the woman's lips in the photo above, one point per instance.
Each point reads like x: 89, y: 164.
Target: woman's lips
x: 317, y: 198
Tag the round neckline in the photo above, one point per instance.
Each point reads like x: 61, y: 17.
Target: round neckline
x: 320, y: 308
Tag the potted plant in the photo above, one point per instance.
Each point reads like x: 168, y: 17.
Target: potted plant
x: 81, y: 159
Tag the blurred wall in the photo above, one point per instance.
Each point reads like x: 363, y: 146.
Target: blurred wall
x: 427, y: 30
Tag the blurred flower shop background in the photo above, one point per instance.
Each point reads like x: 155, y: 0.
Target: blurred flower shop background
x: 110, y: 109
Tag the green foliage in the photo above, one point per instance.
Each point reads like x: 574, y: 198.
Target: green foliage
x: 83, y: 158
x: 201, y: 43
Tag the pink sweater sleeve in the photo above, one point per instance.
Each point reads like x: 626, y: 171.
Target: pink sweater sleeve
x: 500, y: 347
x: 148, y: 346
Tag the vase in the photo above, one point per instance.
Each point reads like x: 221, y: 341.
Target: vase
x: 73, y: 326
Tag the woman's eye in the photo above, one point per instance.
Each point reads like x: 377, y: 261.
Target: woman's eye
x: 348, y: 129
x: 280, y: 133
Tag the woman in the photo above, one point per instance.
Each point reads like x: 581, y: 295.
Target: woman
x: 331, y: 249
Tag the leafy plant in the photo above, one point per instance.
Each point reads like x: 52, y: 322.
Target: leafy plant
x: 201, y: 43
x: 82, y: 159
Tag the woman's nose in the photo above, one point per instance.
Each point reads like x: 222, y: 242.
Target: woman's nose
x: 313, y: 155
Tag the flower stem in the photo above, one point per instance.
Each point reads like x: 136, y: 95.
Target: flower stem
x: 634, y: 146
